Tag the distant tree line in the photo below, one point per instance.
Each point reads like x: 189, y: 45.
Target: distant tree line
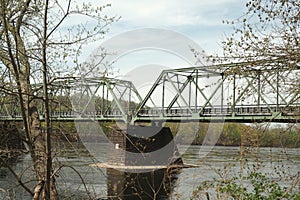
x: 234, y: 134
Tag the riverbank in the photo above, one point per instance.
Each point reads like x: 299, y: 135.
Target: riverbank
x: 231, y: 134
x: 236, y: 134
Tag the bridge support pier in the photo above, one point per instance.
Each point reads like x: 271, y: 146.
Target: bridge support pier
x: 10, y: 137
x: 143, y: 146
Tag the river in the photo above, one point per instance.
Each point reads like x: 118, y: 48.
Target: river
x: 278, y: 163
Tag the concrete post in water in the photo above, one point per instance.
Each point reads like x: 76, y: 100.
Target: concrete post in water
x: 142, y: 146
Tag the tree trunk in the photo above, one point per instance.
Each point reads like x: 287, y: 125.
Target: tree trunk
x: 36, y: 142
x: 14, y: 56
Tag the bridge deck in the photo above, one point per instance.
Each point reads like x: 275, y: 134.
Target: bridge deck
x: 214, y: 114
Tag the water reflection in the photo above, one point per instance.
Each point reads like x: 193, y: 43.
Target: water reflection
x: 9, y: 187
x: 173, y: 185
x: 157, y: 184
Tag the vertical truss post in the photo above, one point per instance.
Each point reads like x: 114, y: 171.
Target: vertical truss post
x: 277, y: 90
x: 196, y: 95
x: 107, y: 97
x: 190, y: 90
x: 258, y: 89
x: 129, y: 98
x: 163, y: 96
x: 222, y: 93
x: 233, y: 95
x: 103, y: 94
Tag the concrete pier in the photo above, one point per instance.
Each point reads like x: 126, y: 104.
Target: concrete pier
x: 142, y: 146
x: 10, y: 137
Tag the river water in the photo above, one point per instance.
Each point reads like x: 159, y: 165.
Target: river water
x: 100, y: 183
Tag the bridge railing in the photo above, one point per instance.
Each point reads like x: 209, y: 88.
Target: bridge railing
x: 218, y: 110
x: 166, y: 113
x: 75, y: 114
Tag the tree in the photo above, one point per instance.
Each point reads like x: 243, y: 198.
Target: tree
x: 267, y: 33
x: 266, y: 40
x: 267, y: 36
x: 35, y: 41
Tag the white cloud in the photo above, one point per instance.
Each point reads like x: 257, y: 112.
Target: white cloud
x: 200, y: 20
x: 170, y: 12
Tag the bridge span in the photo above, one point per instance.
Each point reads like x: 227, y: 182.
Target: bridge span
x: 215, y: 93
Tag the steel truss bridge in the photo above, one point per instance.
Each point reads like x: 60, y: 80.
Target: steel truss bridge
x: 207, y: 94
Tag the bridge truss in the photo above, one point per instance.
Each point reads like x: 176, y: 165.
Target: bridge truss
x: 209, y: 93
x: 220, y: 93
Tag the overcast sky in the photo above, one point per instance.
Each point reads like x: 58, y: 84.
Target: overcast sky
x: 198, y: 20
